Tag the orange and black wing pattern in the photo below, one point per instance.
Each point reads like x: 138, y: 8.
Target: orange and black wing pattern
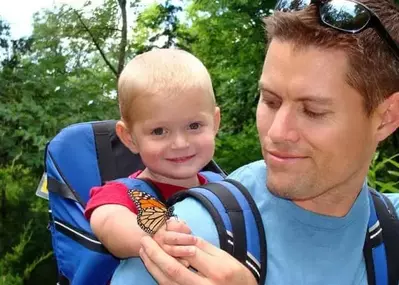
x: 152, y: 213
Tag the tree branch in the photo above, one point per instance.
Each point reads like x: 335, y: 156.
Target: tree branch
x: 97, y: 45
x: 123, y: 43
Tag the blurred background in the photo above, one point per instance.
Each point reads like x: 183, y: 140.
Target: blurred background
x: 59, y: 64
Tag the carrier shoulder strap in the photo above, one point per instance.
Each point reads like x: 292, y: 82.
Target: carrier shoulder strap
x: 147, y: 186
x: 88, y: 240
x: 105, y: 156
x: 144, y: 185
x: 381, y: 248
x: 105, y: 161
x: 212, y: 176
x: 237, y: 219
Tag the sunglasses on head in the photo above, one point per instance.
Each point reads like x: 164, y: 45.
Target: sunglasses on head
x: 343, y: 15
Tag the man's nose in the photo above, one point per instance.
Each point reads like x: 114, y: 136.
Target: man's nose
x: 284, y: 126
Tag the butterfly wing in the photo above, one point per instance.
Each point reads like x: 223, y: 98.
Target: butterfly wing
x: 152, y: 213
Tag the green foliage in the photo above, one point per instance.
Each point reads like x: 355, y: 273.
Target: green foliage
x: 235, y: 150
x: 384, y: 173
x: 228, y: 36
x: 10, y: 280
x: 23, y: 221
x: 66, y: 72
x: 11, y: 260
x: 49, y: 86
x: 158, y: 26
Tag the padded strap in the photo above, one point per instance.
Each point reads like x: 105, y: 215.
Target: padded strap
x: 390, y: 233
x: 62, y: 189
x: 368, y: 257
x: 374, y: 248
x: 238, y: 222
x: 213, y: 167
x: 212, y: 176
x: 144, y: 185
x: 385, y: 246
x: 84, y: 238
x: 154, y: 189
x: 256, y: 241
x: 234, y: 211
x: 217, y: 218
x: 390, y: 207
x: 105, y: 156
x: 59, y: 188
x: 62, y: 280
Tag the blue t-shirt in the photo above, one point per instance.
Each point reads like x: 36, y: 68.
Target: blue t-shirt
x: 302, y: 247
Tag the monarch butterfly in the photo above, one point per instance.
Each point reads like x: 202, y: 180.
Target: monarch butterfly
x: 152, y: 213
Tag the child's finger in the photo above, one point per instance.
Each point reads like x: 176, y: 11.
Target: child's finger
x: 177, y: 238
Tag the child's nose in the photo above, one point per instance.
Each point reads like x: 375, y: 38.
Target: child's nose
x: 180, y: 141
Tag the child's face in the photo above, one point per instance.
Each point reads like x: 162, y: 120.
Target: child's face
x: 175, y: 134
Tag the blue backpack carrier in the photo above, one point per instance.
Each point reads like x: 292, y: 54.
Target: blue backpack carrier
x: 78, y: 158
x: 89, y: 154
x: 237, y: 219
x: 381, y: 247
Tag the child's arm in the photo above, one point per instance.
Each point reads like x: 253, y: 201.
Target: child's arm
x: 116, y: 227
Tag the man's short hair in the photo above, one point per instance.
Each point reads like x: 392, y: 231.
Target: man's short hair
x: 373, y: 69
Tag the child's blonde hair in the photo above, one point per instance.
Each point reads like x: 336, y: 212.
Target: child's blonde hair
x: 160, y: 71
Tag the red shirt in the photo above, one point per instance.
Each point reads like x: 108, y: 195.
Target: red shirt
x: 117, y: 193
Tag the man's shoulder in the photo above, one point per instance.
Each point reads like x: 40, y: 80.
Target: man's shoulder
x: 252, y: 176
x: 394, y: 198
x: 250, y: 169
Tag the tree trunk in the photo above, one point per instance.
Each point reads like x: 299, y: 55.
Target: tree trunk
x: 123, y: 43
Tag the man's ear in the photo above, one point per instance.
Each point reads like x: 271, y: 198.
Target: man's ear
x: 388, y: 117
x: 125, y: 136
x: 216, y: 120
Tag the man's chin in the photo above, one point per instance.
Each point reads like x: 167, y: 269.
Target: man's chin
x: 292, y: 192
x: 287, y: 191
x: 278, y: 192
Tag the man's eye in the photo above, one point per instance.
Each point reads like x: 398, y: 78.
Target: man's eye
x: 158, y: 131
x: 314, y: 115
x: 194, y: 126
x: 272, y: 104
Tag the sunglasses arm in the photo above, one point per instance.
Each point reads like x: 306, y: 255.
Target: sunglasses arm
x: 383, y: 33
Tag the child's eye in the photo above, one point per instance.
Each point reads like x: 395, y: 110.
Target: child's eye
x: 158, y: 131
x: 194, y: 126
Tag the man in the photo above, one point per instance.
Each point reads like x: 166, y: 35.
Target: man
x: 329, y: 94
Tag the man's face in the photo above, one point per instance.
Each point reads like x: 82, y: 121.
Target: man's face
x: 313, y: 128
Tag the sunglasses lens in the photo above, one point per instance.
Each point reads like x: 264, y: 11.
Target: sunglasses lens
x: 291, y: 5
x: 344, y: 15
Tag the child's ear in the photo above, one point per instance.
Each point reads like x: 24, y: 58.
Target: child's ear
x: 125, y: 136
x: 216, y: 120
x: 388, y: 113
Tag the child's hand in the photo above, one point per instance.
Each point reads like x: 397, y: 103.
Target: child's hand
x: 175, y: 239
